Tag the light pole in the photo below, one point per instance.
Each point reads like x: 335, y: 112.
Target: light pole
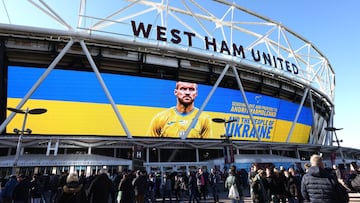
x: 332, y: 129
x: 228, y: 148
x: 25, y: 112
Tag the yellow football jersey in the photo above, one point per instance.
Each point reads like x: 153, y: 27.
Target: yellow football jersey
x: 171, y: 123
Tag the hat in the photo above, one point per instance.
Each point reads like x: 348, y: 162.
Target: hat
x: 72, y: 177
x: 21, y: 176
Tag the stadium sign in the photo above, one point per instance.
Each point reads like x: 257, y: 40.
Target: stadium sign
x: 211, y: 44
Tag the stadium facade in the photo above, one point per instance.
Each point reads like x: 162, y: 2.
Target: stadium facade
x: 102, y: 74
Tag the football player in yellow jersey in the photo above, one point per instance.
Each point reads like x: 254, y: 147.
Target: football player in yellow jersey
x: 173, y: 122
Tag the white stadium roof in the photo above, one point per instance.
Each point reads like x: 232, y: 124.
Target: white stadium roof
x: 228, y: 23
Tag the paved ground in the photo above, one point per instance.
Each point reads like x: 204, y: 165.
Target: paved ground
x: 354, y: 198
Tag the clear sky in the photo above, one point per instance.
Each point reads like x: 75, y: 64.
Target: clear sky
x: 332, y: 26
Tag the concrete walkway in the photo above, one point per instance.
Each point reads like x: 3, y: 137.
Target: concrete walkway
x: 354, y: 198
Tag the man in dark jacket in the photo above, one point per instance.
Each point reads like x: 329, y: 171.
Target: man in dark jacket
x: 318, y: 186
x: 140, y: 186
x: 101, y: 189
x: 8, y: 189
x: 21, y: 190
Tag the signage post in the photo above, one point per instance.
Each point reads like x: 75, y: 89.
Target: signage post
x: 19, y: 143
x: 138, y: 158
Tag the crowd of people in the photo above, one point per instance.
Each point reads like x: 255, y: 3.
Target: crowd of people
x: 193, y: 186
x: 127, y: 186
x: 64, y: 188
x: 315, y: 183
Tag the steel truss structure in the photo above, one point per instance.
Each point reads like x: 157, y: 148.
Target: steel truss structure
x: 101, y: 41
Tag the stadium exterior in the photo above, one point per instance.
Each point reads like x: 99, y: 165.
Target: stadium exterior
x: 102, y: 74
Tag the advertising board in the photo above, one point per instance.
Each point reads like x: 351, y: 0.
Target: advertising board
x: 77, y: 105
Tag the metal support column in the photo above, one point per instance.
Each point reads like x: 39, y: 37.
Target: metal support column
x: 197, y: 154
x: 3, y: 83
x: 106, y: 90
x: 194, y: 121
x: 246, y: 102
x: 297, y: 114
x: 37, y: 84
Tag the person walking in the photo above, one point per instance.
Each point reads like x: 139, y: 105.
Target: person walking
x: 183, y: 187
x: 167, y: 187
x: 151, y: 188
x: 291, y: 187
x: 192, y: 188
x: 21, y: 190
x: 234, y: 180
x: 278, y: 186
x: 297, y: 179
x: 126, y: 189
x: 73, y: 191
x: 54, y: 183
x: 7, y: 191
x: 201, y: 183
x: 214, y: 179
x: 318, y: 186
x: 260, y: 192
x: 36, y: 189
x: 177, y: 190
x: 353, y: 180
x: 140, y: 186
x: 101, y: 189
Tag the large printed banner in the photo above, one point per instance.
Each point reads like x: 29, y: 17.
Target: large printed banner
x: 77, y: 105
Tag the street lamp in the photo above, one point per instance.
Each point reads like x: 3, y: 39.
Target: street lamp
x: 228, y: 148
x: 332, y: 129
x: 25, y: 112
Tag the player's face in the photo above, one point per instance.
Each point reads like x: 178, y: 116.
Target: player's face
x: 186, y: 92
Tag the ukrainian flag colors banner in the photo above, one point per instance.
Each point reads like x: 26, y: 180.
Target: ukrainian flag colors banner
x: 77, y: 105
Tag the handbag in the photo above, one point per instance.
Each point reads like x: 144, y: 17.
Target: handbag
x: 119, y: 195
x: 233, y: 192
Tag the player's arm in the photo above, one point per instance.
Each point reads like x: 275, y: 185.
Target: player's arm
x: 154, y: 129
x: 206, y: 128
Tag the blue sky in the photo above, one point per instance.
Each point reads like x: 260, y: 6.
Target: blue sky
x: 332, y: 26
